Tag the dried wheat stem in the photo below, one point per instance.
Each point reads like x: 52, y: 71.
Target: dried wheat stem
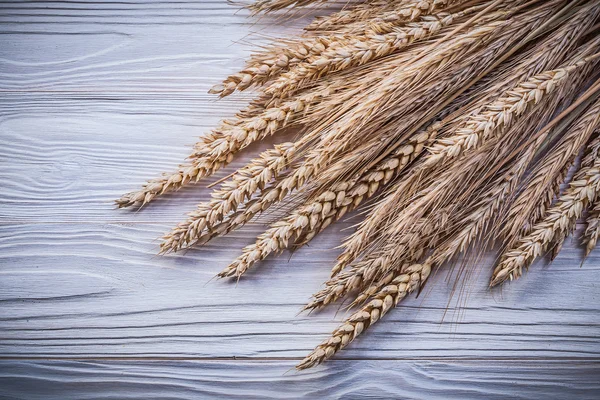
x: 407, y: 281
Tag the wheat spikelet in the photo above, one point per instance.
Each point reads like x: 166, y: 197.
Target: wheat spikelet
x: 561, y: 217
x: 355, y: 193
x: 410, y: 279
x: 411, y: 10
x: 255, y: 175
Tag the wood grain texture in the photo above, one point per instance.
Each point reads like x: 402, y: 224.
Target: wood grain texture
x: 97, y: 290
x: 427, y: 380
x: 96, y: 97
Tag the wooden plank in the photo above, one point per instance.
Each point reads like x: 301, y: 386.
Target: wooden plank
x: 96, y: 290
x: 85, y: 380
x: 95, y: 98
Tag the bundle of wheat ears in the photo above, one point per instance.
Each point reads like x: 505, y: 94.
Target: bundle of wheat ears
x: 471, y: 125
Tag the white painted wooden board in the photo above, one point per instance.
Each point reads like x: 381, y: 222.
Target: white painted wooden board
x: 95, y: 97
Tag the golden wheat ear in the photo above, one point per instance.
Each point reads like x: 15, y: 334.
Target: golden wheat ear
x: 407, y: 281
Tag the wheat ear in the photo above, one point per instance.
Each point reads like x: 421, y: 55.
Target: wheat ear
x: 592, y: 230
x: 561, y: 217
x: 410, y: 279
x: 499, y: 115
x: 391, y: 256
x: 219, y: 148
x: 275, y: 60
x: 287, y: 54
